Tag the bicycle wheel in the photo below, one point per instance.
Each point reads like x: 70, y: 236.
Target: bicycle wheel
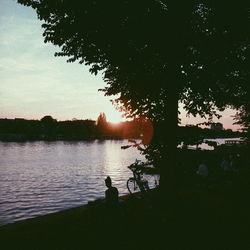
x: 132, y: 186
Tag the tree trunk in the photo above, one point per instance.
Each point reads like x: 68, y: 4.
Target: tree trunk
x: 169, y: 157
x: 176, y: 48
x: 168, y: 168
x: 173, y: 87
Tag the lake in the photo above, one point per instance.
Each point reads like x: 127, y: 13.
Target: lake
x: 38, y: 178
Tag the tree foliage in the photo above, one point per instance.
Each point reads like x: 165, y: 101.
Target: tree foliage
x: 48, y: 119
x: 156, y: 53
x: 139, y: 45
x: 102, y: 125
x: 242, y: 118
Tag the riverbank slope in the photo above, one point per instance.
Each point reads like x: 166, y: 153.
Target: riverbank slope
x: 213, y: 218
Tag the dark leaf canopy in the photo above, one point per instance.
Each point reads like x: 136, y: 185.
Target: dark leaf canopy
x: 146, y: 48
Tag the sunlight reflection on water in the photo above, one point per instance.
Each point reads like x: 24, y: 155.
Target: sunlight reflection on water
x: 37, y: 178
x: 43, y: 177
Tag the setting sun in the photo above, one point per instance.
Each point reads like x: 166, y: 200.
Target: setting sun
x: 115, y: 116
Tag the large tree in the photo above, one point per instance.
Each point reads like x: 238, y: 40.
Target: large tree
x: 157, y: 53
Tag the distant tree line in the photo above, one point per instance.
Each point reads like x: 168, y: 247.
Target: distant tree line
x: 193, y: 135
x: 49, y: 128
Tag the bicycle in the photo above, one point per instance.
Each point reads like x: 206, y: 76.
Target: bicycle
x: 139, y: 180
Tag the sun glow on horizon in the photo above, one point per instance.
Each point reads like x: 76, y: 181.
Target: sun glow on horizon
x: 115, y: 117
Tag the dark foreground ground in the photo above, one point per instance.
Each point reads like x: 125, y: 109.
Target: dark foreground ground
x: 216, y: 217
x: 212, y: 218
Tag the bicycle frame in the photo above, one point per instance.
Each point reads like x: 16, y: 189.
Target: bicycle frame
x: 142, y: 184
x: 138, y: 168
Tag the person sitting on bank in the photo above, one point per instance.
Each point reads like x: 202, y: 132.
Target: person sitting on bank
x: 111, y: 194
x: 202, y: 173
x: 202, y: 170
x: 225, y: 164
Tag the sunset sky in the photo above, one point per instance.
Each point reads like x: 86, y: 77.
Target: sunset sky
x: 34, y: 83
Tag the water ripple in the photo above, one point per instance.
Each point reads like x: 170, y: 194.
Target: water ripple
x: 44, y: 177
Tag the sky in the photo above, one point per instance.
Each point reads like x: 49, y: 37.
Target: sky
x: 34, y: 83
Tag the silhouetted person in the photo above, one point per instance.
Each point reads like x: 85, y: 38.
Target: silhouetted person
x: 202, y: 173
x: 202, y: 170
x: 236, y: 163
x: 112, y: 207
x: 225, y: 164
x: 111, y: 194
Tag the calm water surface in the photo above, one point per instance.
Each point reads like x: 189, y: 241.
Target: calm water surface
x: 38, y: 178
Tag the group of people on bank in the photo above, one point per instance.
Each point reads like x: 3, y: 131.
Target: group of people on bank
x: 229, y: 164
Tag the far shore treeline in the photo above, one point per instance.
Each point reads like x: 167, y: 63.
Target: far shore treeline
x: 48, y: 128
